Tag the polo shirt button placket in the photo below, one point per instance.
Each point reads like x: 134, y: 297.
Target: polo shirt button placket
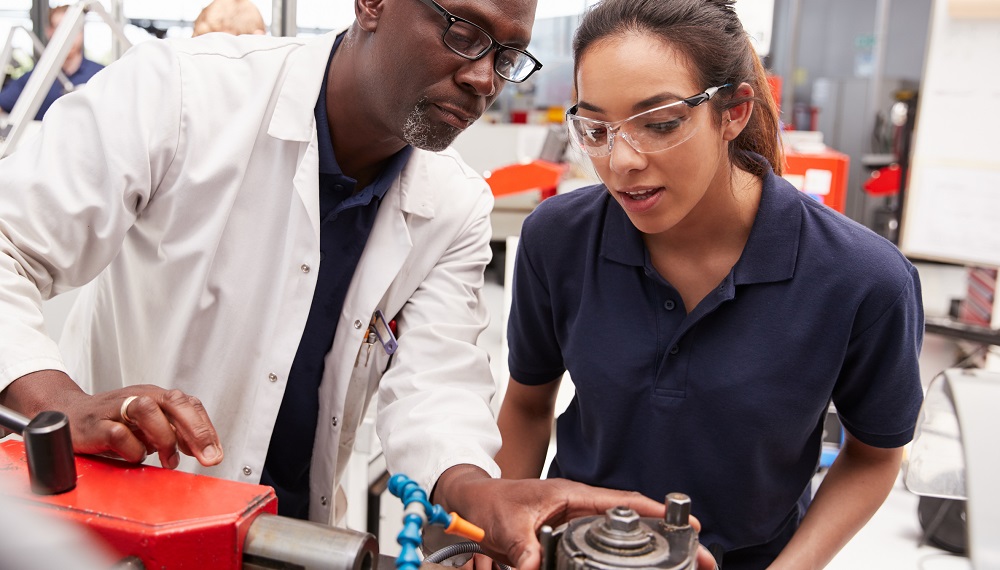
x: 674, y: 349
x: 669, y: 305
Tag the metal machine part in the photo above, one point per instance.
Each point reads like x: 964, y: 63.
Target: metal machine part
x: 48, y: 447
x: 159, y: 518
x: 281, y: 542
x: 623, y: 539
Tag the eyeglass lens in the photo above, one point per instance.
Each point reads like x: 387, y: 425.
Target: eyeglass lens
x: 652, y: 131
x: 472, y: 42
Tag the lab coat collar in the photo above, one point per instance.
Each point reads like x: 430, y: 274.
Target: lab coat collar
x: 416, y: 196
x: 293, y: 119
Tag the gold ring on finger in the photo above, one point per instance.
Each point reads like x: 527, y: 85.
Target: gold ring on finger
x: 124, y: 410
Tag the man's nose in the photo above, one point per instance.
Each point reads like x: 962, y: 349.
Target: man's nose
x: 478, y: 76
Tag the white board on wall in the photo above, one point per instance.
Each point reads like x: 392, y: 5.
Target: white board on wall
x: 952, y: 210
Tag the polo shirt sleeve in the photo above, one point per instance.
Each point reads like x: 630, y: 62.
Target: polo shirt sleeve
x: 534, y: 356
x: 878, y: 394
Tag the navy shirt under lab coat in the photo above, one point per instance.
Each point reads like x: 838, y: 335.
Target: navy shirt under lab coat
x: 725, y: 403
x: 346, y: 219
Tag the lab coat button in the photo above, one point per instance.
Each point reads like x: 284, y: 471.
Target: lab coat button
x: 334, y: 421
x: 674, y: 349
x: 247, y: 471
x: 669, y: 305
x: 305, y: 268
x: 322, y: 501
x: 358, y: 324
x: 272, y: 377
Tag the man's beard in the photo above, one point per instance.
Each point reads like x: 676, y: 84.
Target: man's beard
x: 419, y: 131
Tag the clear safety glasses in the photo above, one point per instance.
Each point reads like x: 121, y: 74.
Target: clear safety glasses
x: 472, y: 42
x: 650, y: 131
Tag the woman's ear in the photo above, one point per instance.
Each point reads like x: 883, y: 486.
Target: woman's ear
x: 368, y: 13
x: 735, y: 119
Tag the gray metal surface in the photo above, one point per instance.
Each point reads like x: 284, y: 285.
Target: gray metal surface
x: 282, y: 542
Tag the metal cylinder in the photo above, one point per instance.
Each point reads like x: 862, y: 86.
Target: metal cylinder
x: 622, y: 540
x: 47, y: 444
x: 281, y: 542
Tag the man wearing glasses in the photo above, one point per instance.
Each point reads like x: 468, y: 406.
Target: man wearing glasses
x: 250, y: 215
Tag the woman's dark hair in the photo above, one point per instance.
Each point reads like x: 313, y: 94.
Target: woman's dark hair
x: 711, y: 37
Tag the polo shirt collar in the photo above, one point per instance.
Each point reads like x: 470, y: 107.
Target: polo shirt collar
x: 621, y: 241
x: 773, y: 245
x: 770, y: 252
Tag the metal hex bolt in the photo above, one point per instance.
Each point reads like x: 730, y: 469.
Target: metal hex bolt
x: 621, y: 519
x: 678, y: 509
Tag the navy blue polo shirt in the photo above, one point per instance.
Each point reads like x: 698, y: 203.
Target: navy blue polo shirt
x: 346, y: 220
x: 725, y: 402
x: 13, y: 90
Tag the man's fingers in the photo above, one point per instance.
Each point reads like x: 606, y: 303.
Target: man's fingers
x: 120, y: 440
x: 146, y: 416
x: 194, y: 430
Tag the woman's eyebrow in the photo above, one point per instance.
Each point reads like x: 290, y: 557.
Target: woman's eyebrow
x: 589, y: 107
x: 654, y: 100
x: 638, y: 106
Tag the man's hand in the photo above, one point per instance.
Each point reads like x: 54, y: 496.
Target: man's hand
x: 129, y: 422
x: 512, y: 511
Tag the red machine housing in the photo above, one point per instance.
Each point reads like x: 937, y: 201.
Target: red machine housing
x: 168, y: 519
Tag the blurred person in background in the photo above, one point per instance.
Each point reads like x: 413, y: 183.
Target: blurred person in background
x: 235, y: 17
x: 77, y: 68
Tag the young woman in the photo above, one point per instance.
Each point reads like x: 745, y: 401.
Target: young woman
x: 706, y: 310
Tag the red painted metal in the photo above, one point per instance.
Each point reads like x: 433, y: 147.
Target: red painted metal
x: 538, y: 174
x: 837, y: 163
x: 169, y: 519
x: 884, y: 181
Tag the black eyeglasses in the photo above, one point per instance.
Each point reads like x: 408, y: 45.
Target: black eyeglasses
x: 472, y: 42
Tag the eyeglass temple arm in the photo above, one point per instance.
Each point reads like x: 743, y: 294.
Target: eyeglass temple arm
x: 705, y: 95
x: 438, y: 8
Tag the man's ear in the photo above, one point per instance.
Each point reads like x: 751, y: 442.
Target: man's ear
x: 735, y: 119
x: 368, y: 13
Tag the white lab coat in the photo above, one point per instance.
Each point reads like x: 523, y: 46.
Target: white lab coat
x: 183, y: 180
